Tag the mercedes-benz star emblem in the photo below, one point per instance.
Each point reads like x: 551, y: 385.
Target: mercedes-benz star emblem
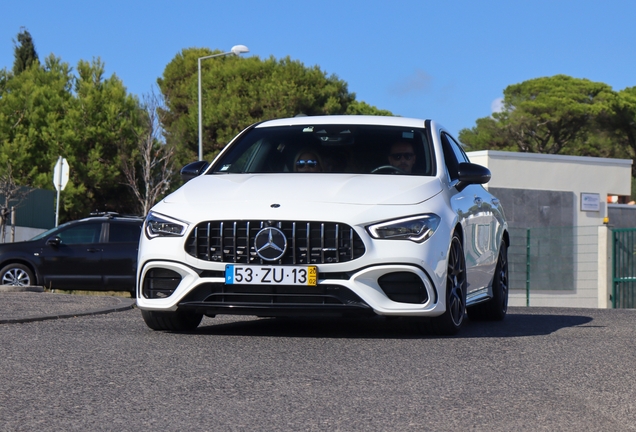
x: 270, y: 244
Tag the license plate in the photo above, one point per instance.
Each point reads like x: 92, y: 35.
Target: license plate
x: 270, y: 275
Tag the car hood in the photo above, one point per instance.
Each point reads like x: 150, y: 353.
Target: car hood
x: 314, y: 188
x: 298, y: 196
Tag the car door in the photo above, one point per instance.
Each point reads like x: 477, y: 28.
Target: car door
x: 119, y: 256
x: 71, y: 258
x: 474, y: 207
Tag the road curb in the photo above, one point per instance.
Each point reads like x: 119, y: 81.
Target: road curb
x: 11, y: 288
x: 70, y: 315
x: 82, y: 306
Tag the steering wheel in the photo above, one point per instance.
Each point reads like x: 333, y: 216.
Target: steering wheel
x: 388, y: 169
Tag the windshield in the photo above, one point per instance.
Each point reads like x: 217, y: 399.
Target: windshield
x: 49, y: 232
x: 360, y: 149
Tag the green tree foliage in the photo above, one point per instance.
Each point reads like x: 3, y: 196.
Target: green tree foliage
x: 564, y: 115
x: 621, y: 124
x: 362, y: 108
x: 47, y: 111
x: 544, y: 115
x: 112, y: 142
x: 488, y: 134
x: 24, y: 52
x: 237, y: 92
x: 33, y: 107
x: 102, y: 120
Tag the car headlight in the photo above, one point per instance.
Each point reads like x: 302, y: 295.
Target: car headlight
x: 158, y: 225
x: 416, y: 228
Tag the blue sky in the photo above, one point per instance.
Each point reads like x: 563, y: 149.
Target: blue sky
x: 447, y: 60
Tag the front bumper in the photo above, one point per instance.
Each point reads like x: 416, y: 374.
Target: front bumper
x: 384, y: 289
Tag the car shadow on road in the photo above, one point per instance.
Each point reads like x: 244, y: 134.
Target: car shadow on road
x: 514, y: 325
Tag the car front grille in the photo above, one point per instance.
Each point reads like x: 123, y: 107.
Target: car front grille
x: 307, y: 242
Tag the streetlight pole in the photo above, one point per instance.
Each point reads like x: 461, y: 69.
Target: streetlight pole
x: 236, y: 50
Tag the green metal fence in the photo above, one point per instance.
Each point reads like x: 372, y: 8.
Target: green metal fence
x: 624, y: 268
x: 555, y: 259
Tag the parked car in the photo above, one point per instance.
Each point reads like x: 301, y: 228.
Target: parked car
x: 97, y: 253
x: 324, y: 215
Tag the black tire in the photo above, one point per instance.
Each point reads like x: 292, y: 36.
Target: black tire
x: 172, y: 321
x: 16, y: 275
x: 496, y: 308
x: 451, y: 321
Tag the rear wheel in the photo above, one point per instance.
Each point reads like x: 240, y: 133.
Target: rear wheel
x: 17, y: 275
x: 450, y: 322
x: 496, y: 308
x: 173, y: 321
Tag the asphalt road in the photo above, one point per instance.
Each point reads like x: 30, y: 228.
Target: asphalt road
x: 541, y: 369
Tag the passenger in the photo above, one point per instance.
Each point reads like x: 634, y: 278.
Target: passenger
x: 308, y: 161
x: 402, y: 156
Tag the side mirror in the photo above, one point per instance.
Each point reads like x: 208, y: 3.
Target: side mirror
x: 470, y: 173
x: 54, y: 241
x: 193, y: 170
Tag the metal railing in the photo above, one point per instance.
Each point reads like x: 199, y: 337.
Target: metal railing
x: 561, y: 259
x: 624, y: 268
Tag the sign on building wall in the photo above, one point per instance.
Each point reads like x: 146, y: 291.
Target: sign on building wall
x: 590, y: 202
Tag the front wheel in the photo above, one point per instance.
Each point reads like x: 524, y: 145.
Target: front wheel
x: 17, y: 275
x: 172, y: 321
x: 451, y: 321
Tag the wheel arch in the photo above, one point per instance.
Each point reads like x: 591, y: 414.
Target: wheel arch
x: 506, y: 238
x: 460, y: 233
x: 25, y: 262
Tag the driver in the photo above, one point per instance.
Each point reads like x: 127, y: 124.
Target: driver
x: 307, y: 161
x: 402, y: 156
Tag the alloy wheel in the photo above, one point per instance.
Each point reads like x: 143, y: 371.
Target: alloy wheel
x: 16, y: 277
x: 456, y: 281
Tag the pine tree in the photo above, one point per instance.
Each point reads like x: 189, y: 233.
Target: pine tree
x: 24, y: 51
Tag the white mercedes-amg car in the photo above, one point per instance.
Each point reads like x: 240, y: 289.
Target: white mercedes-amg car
x: 337, y: 215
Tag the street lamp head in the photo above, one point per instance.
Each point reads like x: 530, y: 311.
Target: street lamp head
x: 239, y: 49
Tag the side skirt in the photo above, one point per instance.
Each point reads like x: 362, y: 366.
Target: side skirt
x: 479, y: 296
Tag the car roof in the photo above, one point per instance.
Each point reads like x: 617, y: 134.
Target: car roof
x: 345, y: 119
x: 109, y: 217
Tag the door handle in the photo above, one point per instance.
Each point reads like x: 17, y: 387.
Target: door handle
x: 93, y: 250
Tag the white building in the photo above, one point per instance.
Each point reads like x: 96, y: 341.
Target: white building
x: 560, y: 202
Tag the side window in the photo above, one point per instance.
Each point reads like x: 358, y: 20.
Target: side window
x: 124, y: 233
x: 251, y: 160
x: 450, y: 158
x: 81, y: 234
x: 457, y: 149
